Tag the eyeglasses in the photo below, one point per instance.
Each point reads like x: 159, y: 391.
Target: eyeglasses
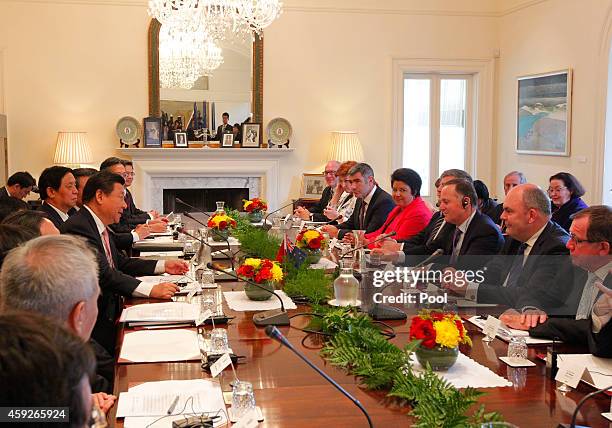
x: 329, y: 172
x: 580, y: 241
x: 556, y: 189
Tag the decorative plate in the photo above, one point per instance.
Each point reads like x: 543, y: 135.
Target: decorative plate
x: 279, y: 130
x: 128, y: 130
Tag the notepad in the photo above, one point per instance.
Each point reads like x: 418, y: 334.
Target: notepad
x: 160, y: 312
x: 148, y: 346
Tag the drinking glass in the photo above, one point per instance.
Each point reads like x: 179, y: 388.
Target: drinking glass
x: 243, y: 398
x: 208, y: 301
x: 218, y: 341
x: 359, y: 236
x: 517, y: 348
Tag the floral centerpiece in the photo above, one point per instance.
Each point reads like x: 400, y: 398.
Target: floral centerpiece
x: 262, y: 271
x: 221, y: 225
x: 312, y: 242
x: 255, y: 208
x: 440, y: 335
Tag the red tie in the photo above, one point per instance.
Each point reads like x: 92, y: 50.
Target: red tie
x: 107, y: 250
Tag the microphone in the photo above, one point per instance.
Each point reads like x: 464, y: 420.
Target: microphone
x: 275, y: 334
x: 578, y: 406
x: 265, y: 223
x: 216, y: 232
x: 180, y: 201
x: 380, y: 238
x: 269, y: 318
x: 434, y: 255
x: 230, y: 256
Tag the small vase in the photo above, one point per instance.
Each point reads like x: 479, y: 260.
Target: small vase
x: 312, y: 256
x: 218, y: 235
x: 256, y: 293
x: 439, y: 358
x: 255, y: 216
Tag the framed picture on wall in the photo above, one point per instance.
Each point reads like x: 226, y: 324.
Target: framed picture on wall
x: 227, y: 140
x: 312, y: 186
x: 152, y: 131
x: 251, y: 135
x: 543, y: 121
x: 180, y: 139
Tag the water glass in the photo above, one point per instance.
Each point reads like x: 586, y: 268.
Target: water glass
x: 359, y: 236
x: 375, y: 259
x: 188, y: 248
x: 208, y: 301
x: 517, y: 348
x: 218, y: 341
x: 243, y: 398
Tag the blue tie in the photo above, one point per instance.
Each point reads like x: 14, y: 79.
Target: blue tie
x: 517, y: 267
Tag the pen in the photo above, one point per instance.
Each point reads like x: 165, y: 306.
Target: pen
x: 173, y: 405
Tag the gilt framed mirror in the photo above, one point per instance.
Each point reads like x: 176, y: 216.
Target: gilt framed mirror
x: 236, y: 86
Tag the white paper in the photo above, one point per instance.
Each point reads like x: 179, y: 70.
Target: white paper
x: 517, y: 362
x: 491, y: 326
x: 166, y: 311
x: 232, y: 241
x: 224, y: 361
x: 323, y: 263
x: 148, y: 346
x: 207, y: 393
x: 506, y: 333
x: 570, y: 374
x: 467, y: 372
x: 598, y: 370
x: 203, y: 317
x: 238, y: 301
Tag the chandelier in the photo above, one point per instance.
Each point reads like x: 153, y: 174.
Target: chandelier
x: 182, y: 15
x: 184, y: 57
x: 256, y: 15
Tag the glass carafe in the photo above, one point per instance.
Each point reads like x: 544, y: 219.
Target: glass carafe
x: 346, y: 286
x: 220, y: 208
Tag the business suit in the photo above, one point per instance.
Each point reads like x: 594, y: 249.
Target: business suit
x: 563, y: 215
x: 53, y: 215
x: 6, y: 197
x: 491, y: 208
x: 223, y: 129
x: 376, y: 213
x: 535, y: 285
x: 317, y: 209
x: 114, y: 282
x: 132, y: 213
x: 430, y: 238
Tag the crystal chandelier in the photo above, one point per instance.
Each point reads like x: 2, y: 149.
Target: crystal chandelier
x: 256, y: 15
x: 184, y: 57
x: 182, y: 15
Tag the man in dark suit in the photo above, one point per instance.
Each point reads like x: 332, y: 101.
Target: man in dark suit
x: 372, y: 206
x: 132, y: 210
x: 59, y: 194
x: 103, y: 199
x: 18, y: 186
x: 224, y: 128
x: 315, y: 213
x: 587, y: 308
x: 511, y: 180
x: 522, y: 274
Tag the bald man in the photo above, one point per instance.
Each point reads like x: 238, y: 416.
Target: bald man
x: 315, y: 213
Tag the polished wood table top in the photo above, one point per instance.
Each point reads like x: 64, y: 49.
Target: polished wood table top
x: 291, y: 394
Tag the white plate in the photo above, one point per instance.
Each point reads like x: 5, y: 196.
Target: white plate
x: 333, y: 302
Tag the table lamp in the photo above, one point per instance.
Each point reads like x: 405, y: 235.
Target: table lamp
x: 345, y: 147
x: 72, y: 149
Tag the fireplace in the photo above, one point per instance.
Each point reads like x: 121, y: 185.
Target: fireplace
x: 203, y: 199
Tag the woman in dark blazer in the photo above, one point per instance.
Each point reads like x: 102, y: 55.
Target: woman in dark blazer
x: 565, y: 191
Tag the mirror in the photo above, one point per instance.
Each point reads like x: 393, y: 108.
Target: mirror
x: 229, y: 83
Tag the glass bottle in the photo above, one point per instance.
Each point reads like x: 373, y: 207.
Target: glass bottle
x: 346, y: 286
x: 220, y: 208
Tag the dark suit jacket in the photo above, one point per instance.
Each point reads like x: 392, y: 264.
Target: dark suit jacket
x: 221, y: 130
x: 379, y: 208
x: 482, y: 238
x: 113, y: 282
x: 536, y: 286
x: 5, y: 196
x: 423, y: 243
x: 317, y: 209
x: 105, y: 368
x: 496, y: 213
x: 491, y: 208
x: 134, y: 214
x: 562, y: 215
x: 53, y: 215
x: 578, y: 332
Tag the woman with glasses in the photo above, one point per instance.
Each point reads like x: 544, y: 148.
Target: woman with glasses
x: 565, y: 191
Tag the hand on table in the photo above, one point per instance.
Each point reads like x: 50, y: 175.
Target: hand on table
x: 157, y: 226
x: 331, y: 213
x: 154, y: 213
x: 164, y: 290
x: 331, y: 230
x: 104, y: 401
x: 523, y: 321
x: 449, y: 284
x: 302, y: 213
x: 176, y: 267
x: 142, y: 230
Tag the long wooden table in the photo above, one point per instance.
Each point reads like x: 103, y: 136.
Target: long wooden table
x: 291, y: 394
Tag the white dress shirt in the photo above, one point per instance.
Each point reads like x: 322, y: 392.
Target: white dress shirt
x: 61, y: 213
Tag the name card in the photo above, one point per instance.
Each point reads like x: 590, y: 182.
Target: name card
x: 191, y: 294
x: 220, y: 365
x: 248, y: 420
x: 203, y: 317
x: 570, y: 374
x: 491, y: 326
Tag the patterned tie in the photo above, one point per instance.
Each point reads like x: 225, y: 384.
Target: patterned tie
x: 362, y: 212
x: 456, y: 248
x: 107, y: 250
x: 437, y: 227
x: 517, y: 267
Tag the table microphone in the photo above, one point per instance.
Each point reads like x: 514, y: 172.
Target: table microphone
x: 275, y: 334
x: 578, y: 406
x: 380, y: 238
x: 433, y: 255
x: 180, y: 201
x: 269, y: 318
x: 215, y: 231
x: 202, y: 241
x: 265, y: 223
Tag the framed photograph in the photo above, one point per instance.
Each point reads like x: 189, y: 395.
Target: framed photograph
x: 543, y: 121
x: 180, y: 139
x: 227, y: 140
x: 312, y: 186
x: 152, y: 131
x: 251, y: 135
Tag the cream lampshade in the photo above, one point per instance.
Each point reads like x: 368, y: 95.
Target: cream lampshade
x: 345, y: 147
x: 72, y: 149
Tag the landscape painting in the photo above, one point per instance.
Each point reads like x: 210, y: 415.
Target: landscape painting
x: 544, y: 114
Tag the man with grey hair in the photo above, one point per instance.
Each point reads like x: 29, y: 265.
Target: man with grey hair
x: 372, y: 206
x: 511, y: 180
x: 315, y: 213
x: 534, y: 252
x: 40, y: 277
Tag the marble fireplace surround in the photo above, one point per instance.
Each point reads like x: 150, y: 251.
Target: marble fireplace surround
x: 158, y: 169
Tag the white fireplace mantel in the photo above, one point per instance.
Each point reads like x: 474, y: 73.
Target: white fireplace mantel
x: 206, y: 165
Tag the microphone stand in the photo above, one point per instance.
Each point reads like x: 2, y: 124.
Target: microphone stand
x: 202, y: 241
x: 380, y: 238
x: 229, y: 247
x: 275, y: 334
x: 265, y: 318
x: 265, y: 225
x: 578, y: 406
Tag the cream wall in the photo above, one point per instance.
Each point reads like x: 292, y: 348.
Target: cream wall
x: 548, y: 36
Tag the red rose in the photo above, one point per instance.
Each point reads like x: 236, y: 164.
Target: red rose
x: 233, y: 222
x: 263, y: 275
x: 315, y: 244
x: 222, y: 224
x: 246, y: 270
x: 249, y: 208
x: 210, y: 223
x: 266, y: 264
x: 423, y: 330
